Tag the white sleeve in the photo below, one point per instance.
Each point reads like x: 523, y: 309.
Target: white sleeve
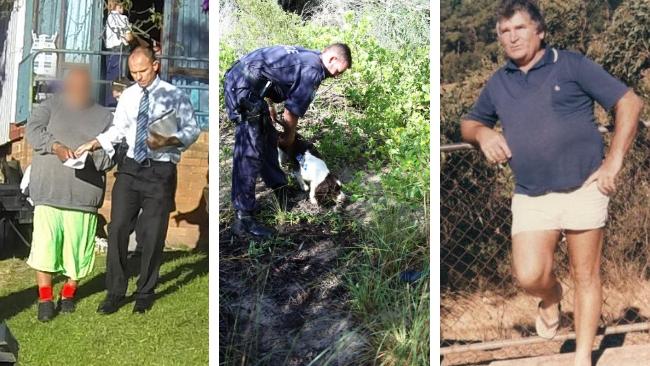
x: 189, y: 128
x: 116, y: 130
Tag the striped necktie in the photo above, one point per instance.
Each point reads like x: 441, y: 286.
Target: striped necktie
x: 141, y: 150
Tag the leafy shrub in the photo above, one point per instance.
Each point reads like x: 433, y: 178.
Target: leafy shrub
x: 386, y: 93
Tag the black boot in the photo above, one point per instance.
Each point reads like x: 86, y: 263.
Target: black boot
x: 45, y: 311
x: 245, y: 223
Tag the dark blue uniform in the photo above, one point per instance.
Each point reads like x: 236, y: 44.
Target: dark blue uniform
x: 295, y: 73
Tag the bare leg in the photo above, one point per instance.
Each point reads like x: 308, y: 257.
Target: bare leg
x: 43, y: 279
x: 584, y: 257
x: 532, y: 266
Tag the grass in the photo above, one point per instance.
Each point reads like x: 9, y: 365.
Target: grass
x: 371, y: 128
x: 394, y: 312
x: 174, y: 332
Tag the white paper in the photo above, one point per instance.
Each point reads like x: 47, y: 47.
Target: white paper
x: 77, y: 163
x: 165, y: 125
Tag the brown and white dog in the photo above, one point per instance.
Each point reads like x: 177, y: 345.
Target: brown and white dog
x: 308, y: 166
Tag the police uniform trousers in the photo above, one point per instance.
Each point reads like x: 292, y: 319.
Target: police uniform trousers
x: 255, y: 154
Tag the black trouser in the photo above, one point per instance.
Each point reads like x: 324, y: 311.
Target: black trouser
x: 150, y: 187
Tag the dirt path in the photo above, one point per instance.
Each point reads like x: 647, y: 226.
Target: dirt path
x: 284, y: 301
x: 543, y: 349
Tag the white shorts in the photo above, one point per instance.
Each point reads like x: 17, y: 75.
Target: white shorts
x: 582, y: 209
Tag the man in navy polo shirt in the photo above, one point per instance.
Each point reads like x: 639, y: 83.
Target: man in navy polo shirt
x: 283, y: 74
x: 544, y: 98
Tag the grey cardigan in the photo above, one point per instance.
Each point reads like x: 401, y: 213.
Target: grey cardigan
x: 52, y: 183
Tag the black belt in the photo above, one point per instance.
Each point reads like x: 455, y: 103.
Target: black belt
x: 148, y: 163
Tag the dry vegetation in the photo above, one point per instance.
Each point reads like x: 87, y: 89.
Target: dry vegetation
x: 480, y: 300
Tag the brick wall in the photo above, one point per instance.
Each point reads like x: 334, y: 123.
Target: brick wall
x: 188, y: 225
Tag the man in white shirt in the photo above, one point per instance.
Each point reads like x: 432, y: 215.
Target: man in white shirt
x: 146, y: 178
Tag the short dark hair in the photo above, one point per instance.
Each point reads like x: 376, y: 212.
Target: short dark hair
x: 147, y: 51
x: 508, y: 8
x: 343, y: 51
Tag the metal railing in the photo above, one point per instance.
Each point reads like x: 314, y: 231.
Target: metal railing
x: 27, y: 78
x: 482, y: 308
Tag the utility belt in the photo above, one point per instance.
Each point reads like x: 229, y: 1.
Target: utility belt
x: 253, y: 108
x: 261, y: 119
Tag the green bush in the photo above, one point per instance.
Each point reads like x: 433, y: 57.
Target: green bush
x: 386, y: 92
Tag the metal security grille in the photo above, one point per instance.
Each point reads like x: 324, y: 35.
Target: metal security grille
x: 482, y: 307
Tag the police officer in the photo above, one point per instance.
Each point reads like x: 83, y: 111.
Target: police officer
x: 283, y: 74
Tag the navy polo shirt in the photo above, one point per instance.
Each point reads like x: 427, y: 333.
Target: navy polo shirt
x: 295, y: 73
x: 548, y: 119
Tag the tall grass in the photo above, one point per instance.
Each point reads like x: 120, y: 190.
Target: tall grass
x: 395, y: 313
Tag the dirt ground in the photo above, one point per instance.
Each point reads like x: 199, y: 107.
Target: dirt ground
x: 284, y: 302
x: 512, y: 317
x: 542, y: 349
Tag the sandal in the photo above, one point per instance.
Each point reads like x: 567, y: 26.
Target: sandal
x: 544, y: 329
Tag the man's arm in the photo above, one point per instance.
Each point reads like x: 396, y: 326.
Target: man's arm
x: 187, y: 134
x: 40, y: 138
x: 492, y: 143
x: 113, y: 134
x: 627, y: 111
x: 289, y: 135
x: 36, y: 129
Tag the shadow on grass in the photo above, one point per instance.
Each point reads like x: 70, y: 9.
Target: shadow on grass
x: 19, y: 301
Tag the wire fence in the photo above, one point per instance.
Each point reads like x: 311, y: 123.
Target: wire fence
x: 482, y: 307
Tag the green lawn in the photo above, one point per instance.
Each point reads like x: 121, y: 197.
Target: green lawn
x: 174, y: 332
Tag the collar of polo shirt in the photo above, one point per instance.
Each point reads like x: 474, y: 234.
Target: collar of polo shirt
x: 548, y: 58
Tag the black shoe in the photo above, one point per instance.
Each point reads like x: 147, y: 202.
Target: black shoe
x: 45, y: 311
x: 245, y: 223
x: 110, y: 305
x: 66, y: 305
x: 142, y: 306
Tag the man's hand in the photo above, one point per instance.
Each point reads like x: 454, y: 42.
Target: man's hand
x: 91, y: 145
x: 627, y: 110
x: 494, y: 145
x: 62, y: 152
x: 156, y: 141
x: 290, y: 123
x: 286, y: 140
x: 606, y: 176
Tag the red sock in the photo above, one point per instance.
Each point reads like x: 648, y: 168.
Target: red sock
x: 68, y: 291
x: 45, y: 293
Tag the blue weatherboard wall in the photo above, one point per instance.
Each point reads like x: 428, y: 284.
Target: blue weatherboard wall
x: 48, y: 18
x: 79, y: 27
x: 185, y: 33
